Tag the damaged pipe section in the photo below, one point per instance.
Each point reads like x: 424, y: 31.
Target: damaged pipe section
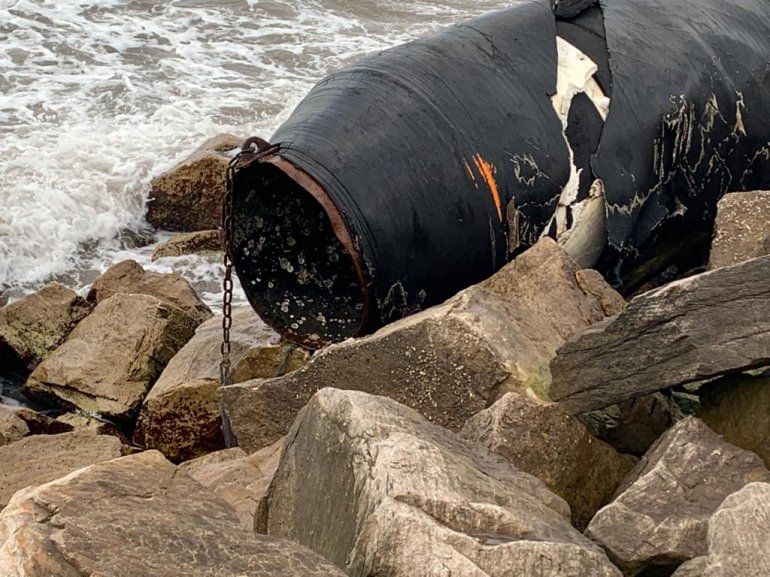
x: 423, y: 169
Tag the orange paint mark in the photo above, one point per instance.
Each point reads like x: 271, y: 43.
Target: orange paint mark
x: 488, y: 171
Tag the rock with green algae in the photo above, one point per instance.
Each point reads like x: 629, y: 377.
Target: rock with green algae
x: 33, y: 326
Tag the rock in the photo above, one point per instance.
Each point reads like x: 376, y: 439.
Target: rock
x: 660, y: 517
x: 189, y: 196
x: 667, y: 337
x: 111, y: 359
x: 128, y: 277
x: 240, y: 479
x: 137, y: 516
x: 81, y: 422
x: 742, y: 228
x: 448, y: 362
x: 203, y: 242
x: 543, y: 440
x: 634, y: 425
x: 404, y: 497
x: 738, y: 537
x: 570, y: 8
x: 18, y: 422
x: 35, y: 325
x: 738, y: 408
x: 38, y: 459
x: 180, y: 416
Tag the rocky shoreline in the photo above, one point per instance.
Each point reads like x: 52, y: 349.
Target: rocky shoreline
x: 533, y: 424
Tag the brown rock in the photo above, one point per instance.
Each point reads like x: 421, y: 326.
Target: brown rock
x: 634, y: 425
x: 180, y: 416
x: 403, y: 497
x: 448, y: 362
x: 738, y: 537
x: 35, y: 325
x: 137, y: 516
x: 690, y: 330
x: 18, y: 422
x: 81, y: 422
x: 543, y: 440
x: 113, y: 356
x: 203, y: 242
x: 41, y: 458
x: 742, y: 228
x: 240, y: 479
x: 189, y: 196
x: 738, y: 408
x: 128, y: 277
x: 660, y: 518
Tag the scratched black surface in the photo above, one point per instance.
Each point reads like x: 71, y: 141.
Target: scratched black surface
x: 677, y: 137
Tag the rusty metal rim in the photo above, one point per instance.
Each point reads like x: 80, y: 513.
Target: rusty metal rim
x: 337, y: 220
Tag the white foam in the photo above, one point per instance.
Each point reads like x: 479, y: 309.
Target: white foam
x: 97, y: 96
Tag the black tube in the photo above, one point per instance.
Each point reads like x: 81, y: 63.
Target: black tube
x: 420, y: 170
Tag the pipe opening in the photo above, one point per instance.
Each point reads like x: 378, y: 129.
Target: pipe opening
x: 294, y: 269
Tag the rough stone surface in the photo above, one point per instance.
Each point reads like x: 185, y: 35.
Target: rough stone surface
x: 634, y: 425
x: 690, y: 330
x: 660, y: 518
x: 738, y: 408
x: 111, y: 359
x: 738, y: 537
x: 128, y: 277
x: 137, y: 516
x: 742, y: 228
x: 33, y: 326
x: 38, y: 459
x: 542, y: 439
x: 180, y: 416
x: 404, y: 497
x: 17, y: 423
x: 203, y: 242
x: 80, y: 422
x: 189, y: 196
x: 240, y: 479
x: 448, y: 362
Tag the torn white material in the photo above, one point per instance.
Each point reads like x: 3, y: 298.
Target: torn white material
x: 586, y: 239
x: 575, y: 75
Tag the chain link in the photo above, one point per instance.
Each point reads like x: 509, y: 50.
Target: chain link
x: 252, y: 149
x: 227, y: 283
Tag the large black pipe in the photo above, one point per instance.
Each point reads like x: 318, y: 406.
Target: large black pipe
x: 422, y: 169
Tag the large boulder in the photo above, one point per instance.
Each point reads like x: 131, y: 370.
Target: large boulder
x: 202, y: 242
x: 742, y: 228
x: 38, y: 459
x: 128, y: 277
x: 448, y: 362
x: 378, y: 490
x: 33, y: 326
x: 660, y: 518
x: 240, y: 479
x: 738, y: 537
x: 113, y: 356
x: 738, y: 408
x: 138, y: 516
x: 690, y: 330
x: 19, y: 422
x: 180, y: 416
x: 188, y: 197
x: 543, y: 440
